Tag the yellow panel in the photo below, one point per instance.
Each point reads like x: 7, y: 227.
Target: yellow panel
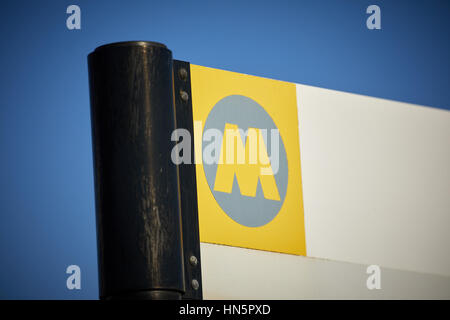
x: 286, y: 232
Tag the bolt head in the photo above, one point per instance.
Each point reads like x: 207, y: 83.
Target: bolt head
x: 184, y: 96
x: 183, y: 74
x: 193, y: 260
x: 195, y: 284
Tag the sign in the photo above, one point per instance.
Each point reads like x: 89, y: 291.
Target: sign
x: 248, y: 161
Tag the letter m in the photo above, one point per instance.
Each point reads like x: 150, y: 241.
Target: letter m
x: 244, y: 163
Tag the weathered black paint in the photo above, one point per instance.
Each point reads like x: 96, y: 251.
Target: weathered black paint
x: 188, y: 182
x: 139, y: 230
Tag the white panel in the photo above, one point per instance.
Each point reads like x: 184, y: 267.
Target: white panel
x: 376, y: 180
x: 237, y: 273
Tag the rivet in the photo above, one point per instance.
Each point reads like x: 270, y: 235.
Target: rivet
x: 183, y: 74
x: 184, y: 95
x: 193, y: 260
x: 195, y: 284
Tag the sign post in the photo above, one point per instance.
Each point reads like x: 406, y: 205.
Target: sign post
x: 138, y: 201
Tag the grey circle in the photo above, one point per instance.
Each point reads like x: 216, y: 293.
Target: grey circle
x: 246, y: 113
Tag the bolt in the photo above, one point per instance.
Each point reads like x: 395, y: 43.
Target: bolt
x: 183, y: 74
x: 193, y: 260
x: 184, y: 95
x: 195, y: 284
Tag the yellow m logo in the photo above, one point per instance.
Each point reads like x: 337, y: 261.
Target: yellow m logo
x: 249, y: 163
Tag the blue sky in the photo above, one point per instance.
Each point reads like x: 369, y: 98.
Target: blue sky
x: 47, y: 217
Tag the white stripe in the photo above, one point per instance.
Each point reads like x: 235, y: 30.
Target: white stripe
x: 376, y: 180
x: 237, y: 273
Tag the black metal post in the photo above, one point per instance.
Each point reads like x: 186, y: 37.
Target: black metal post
x: 188, y: 184
x: 139, y: 235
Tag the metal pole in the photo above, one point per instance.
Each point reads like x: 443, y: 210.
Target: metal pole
x: 140, y: 248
